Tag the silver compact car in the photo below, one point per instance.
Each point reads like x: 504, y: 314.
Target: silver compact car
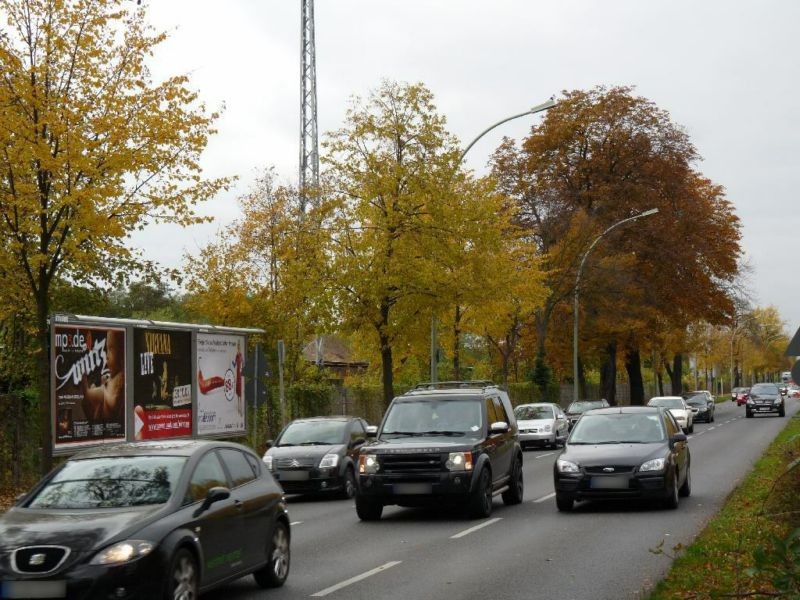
x: 680, y: 410
x: 541, y: 424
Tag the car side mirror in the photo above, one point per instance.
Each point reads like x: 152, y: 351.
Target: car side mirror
x: 498, y: 427
x: 215, y: 494
x: 372, y: 431
x: 678, y: 437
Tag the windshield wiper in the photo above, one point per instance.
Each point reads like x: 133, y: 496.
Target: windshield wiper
x: 408, y: 433
x: 282, y: 445
x: 314, y: 444
x: 442, y: 432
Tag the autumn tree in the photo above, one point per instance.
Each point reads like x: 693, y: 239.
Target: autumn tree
x: 601, y: 156
x: 91, y: 149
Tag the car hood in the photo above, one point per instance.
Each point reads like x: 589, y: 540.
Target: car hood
x: 679, y: 412
x: 304, y: 451
x: 431, y: 444
x: 596, y: 455
x: 81, y: 530
x: 534, y: 423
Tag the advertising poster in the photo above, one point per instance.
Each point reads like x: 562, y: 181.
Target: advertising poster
x: 220, y: 384
x: 89, y: 385
x: 162, y: 384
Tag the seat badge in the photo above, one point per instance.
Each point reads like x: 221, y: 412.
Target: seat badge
x: 36, y: 560
x: 608, y: 469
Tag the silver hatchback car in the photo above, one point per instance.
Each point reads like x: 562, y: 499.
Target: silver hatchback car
x: 541, y: 424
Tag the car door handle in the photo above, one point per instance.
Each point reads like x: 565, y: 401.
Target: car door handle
x: 238, y: 504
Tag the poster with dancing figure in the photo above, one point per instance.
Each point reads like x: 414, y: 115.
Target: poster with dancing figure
x: 88, y: 384
x: 220, y: 384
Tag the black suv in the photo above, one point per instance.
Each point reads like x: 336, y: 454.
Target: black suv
x: 452, y: 442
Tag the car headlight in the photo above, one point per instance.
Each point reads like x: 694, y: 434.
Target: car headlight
x: 565, y: 466
x: 268, y: 461
x: 703, y: 409
x: 123, y: 552
x: 459, y: 461
x: 749, y: 400
x: 548, y: 428
x: 329, y: 461
x: 367, y: 463
x: 657, y: 464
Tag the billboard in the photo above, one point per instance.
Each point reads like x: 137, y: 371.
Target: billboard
x: 220, y: 384
x: 88, y: 385
x: 162, y: 384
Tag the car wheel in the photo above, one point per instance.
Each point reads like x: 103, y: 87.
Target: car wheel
x: 349, y: 485
x: 564, y: 503
x: 671, y: 501
x: 781, y: 411
x: 748, y: 414
x: 480, y: 502
x: 368, y: 509
x: 712, y: 418
x: 686, y: 489
x: 275, y: 572
x: 182, y: 583
x: 513, y: 495
x: 690, y: 429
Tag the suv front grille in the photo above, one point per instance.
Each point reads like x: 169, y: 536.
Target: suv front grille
x: 295, y: 463
x: 39, y: 559
x: 411, y: 463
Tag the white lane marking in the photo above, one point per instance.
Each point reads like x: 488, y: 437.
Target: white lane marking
x: 356, y: 579
x: 543, y: 498
x: 712, y: 428
x: 543, y: 455
x: 295, y: 523
x: 471, y: 529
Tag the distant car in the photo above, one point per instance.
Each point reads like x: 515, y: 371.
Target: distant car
x: 735, y: 392
x: 541, y: 424
x: 794, y: 391
x: 679, y: 409
x: 161, y: 519
x: 318, y: 455
x: 577, y: 408
x: 631, y: 452
x: 765, y: 398
x: 702, y: 409
x: 742, y: 395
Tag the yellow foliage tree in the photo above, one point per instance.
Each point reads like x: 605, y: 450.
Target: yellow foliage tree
x: 91, y: 149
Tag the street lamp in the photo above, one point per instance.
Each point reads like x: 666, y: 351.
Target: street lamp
x: 536, y: 109
x: 646, y: 213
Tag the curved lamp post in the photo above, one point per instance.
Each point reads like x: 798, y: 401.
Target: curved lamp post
x: 646, y: 213
x: 536, y: 109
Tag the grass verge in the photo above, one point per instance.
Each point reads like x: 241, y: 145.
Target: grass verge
x: 750, y: 549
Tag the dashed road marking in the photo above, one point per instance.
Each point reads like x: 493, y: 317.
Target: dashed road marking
x: 472, y: 529
x: 356, y: 579
x: 543, y: 498
x: 543, y: 455
x: 295, y: 523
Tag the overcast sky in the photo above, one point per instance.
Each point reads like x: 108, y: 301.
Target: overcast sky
x: 727, y: 71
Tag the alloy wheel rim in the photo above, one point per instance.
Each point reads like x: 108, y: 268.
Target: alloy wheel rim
x: 487, y: 495
x: 349, y: 486
x: 184, y: 576
x: 280, y: 553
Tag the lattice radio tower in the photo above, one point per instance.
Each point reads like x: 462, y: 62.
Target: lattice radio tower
x: 309, y: 142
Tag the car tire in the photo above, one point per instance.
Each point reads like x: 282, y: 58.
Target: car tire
x: 513, y: 495
x: 349, y: 485
x: 183, y: 576
x: 480, y: 501
x: 368, y: 509
x: 564, y: 503
x: 781, y: 411
x: 671, y: 501
x: 690, y: 429
x: 275, y: 572
x: 748, y: 414
x: 686, y: 489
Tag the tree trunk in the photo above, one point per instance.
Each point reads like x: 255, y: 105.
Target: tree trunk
x: 633, y: 366
x: 43, y: 383
x: 457, y: 344
x: 386, y: 370
x: 736, y: 376
x: 582, y: 380
x: 676, y: 374
x: 608, y: 375
x: 660, y: 379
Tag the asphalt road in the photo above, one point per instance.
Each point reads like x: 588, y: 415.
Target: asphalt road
x: 599, y: 551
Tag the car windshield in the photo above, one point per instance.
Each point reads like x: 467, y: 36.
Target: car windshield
x: 618, y: 429
x: 529, y: 413
x: 581, y: 406
x: 433, y: 417
x: 311, y: 433
x: 764, y: 388
x: 666, y: 402
x: 116, y: 482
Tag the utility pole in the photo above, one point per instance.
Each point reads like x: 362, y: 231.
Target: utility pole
x: 309, y: 139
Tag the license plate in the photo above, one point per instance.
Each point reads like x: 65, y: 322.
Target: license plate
x: 609, y: 483
x: 33, y: 589
x: 412, y: 488
x: 293, y: 476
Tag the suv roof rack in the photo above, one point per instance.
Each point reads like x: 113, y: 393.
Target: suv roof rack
x: 450, y: 385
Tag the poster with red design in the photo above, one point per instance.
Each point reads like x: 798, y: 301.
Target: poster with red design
x: 220, y: 384
x: 162, y: 384
x: 88, y: 385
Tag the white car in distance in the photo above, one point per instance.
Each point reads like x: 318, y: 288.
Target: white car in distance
x: 679, y: 409
x: 541, y: 424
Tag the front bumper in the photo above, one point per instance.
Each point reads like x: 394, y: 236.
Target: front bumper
x: 141, y: 579
x: 539, y: 437
x: 584, y: 486
x: 309, y: 481
x: 765, y: 407
x: 416, y: 489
